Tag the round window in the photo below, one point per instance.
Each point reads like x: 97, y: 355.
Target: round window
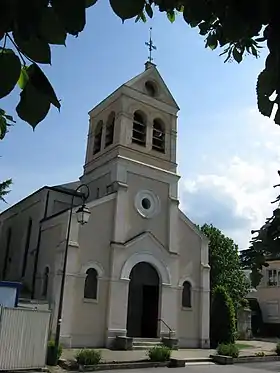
x: 147, y: 203
x: 151, y: 88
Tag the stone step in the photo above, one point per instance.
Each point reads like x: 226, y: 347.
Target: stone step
x: 145, y: 346
x: 146, y: 343
x: 146, y: 340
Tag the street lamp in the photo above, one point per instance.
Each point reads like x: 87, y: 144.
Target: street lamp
x: 83, y: 214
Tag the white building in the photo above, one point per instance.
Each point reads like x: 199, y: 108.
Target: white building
x: 139, y: 264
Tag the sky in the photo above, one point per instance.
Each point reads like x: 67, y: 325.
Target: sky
x: 227, y: 152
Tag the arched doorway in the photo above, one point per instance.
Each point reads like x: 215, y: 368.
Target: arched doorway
x: 143, y: 301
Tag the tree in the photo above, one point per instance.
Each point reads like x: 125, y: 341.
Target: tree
x: 28, y: 28
x: 264, y: 246
x: 225, y: 265
x: 222, y: 323
x: 5, y: 189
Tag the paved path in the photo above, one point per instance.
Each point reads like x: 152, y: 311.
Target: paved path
x: 136, y: 355
x: 238, y: 368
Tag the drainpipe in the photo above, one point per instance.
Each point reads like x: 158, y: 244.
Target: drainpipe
x: 37, y: 252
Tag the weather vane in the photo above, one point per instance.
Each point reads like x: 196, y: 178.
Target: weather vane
x: 151, y: 46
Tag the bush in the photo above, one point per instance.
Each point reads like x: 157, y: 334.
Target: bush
x: 88, y: 357
x: 222, y: 323
x: 228, y: 350
x: 51, y: 358
x: 244, y: 303
x: 277, y: 350
x: 159, y: 353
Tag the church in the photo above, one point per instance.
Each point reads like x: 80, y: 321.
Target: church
x: 139, y: 267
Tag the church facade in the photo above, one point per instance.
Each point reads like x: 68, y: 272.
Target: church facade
x: 139, y: 267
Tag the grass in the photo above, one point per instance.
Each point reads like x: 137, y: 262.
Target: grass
x: 243, y: 346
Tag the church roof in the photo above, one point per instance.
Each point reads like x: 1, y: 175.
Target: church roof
x: 151, y: 72
x: 192, y: 226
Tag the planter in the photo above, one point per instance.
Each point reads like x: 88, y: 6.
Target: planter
x: 172, y: 343
x: 123, y: 343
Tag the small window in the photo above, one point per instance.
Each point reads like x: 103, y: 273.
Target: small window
x: 91, y: 282
x: 186, y: 295
x: 272, y: 277
x: 139, y: 129
x: 158, y: 136
x: 45, y: 282
x: 97, y: 137
x: 151, y: 88
x: 110, y: 127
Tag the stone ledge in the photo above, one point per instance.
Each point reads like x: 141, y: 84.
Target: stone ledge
x: 73, y: 366
x: 227, y: 360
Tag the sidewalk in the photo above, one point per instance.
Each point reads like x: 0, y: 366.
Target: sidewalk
x: 252, y: 348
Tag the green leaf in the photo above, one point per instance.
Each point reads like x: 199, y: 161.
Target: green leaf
x: 35, y: 48
x: 10, y: 118
x: 237, y: 55
x: 254, y: 51
x: 33, y: 106
x: 143, y: 17
x: 72, y: 14
x: 149, y: 10
x: 90, y: 3
x: 3, y: 127
x: 126, y: 9
x: 277, y: 120
x: 204, y: 28
x: 51, y: 27
x: 171, y: 16
x: 9, y: 71
x: 39, y: 81
x: 23, y: 79
x: 211, y: 41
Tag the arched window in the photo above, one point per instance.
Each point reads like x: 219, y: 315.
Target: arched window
x: 110, y: 126
x: 91, y: 282
x: 187, y: 295
x: 139, y: 129
x: 97, y: 137
x: 45, y: 282
x: 158, y: 136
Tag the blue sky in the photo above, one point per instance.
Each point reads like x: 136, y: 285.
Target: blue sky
x: 226, y: 151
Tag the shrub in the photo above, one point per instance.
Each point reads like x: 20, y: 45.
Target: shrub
x: 51, y: 358
x: 277, y: 350
x: 222, y: 323
x: 244, y: 303
x: 159, y: 353
x: 88, y: 357
x: 228, y: 350
x: 260, y: 354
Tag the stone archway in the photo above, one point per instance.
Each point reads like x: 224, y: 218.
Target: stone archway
x: 143, y: 301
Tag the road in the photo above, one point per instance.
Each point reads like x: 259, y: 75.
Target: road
x: 237, y: 368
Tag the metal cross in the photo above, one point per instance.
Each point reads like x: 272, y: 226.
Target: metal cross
x: 151, y: 46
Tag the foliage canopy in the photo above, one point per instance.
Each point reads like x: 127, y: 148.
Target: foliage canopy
x: 225, y: 265
x: 222, y: 324
x: 265, y: 245
x: 5, y: 189
x: 28, y: 29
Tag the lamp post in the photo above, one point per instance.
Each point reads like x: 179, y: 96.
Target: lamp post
x: 83, y: 214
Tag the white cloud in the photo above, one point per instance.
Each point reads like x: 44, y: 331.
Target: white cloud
x: 235, y: 193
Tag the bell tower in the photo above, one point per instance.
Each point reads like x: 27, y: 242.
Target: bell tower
x: 137, y: 122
